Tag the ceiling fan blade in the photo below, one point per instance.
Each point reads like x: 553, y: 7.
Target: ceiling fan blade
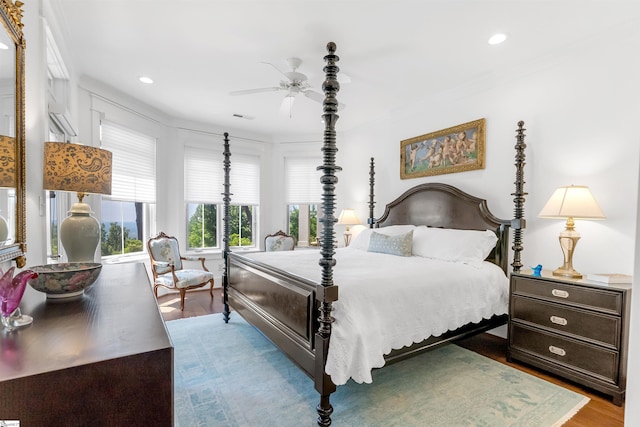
x: 249, y: 91
x: 293, y: 76
x: 276, y: 68
x: 318, y: 97
x: 344, y: 78
x: 311, y: 94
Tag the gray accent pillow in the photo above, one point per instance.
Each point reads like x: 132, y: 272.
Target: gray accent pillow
x: 393, y: 245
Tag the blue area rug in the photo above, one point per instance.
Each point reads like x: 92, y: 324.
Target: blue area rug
x: 231, y: 375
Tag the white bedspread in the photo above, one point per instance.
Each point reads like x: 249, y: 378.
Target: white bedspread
x: 387, y: 302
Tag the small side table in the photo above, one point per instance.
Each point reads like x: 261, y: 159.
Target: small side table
x: 577, y: 329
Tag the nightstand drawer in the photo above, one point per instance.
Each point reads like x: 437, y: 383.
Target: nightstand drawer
x: 586, y: 297
x: 596, y: 327
x: 591, y: 360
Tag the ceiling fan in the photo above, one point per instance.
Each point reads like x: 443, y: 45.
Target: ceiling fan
x: 294, y: 84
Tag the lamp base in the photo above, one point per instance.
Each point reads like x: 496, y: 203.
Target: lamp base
x: 568, y: 240
x: 567, y: 272
x: 347, y: 238
x: 80, y: 234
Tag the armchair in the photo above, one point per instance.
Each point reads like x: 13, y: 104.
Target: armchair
x: 168, y: 269
x: 279, y: 241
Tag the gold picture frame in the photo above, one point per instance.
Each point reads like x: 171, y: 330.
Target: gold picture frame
x: 456, y: 149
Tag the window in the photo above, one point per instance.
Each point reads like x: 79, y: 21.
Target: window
x: 303, y: 193
x: 204, y: 177
x: 241, y: 225
x: 53, y: 240
x: 304, y: 219
x: 126, y: 214
x: 122, y: 227
x: 202, y: 226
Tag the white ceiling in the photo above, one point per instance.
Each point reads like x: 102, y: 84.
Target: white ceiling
x: 395, y: 52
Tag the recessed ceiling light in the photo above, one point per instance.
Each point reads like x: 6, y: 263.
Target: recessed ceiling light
x: 497, y: 38
x: 147, y: 80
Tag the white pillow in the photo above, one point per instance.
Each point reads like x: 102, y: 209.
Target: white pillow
x: 467, y: 246
x: 361, y: 241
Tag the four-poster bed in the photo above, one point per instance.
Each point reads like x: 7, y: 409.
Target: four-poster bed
x: 297, y: 312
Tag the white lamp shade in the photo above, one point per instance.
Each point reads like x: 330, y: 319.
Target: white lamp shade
x: 573, y: 201
x: 348, y: 217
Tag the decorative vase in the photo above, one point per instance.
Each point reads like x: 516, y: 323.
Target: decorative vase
x: 80, y: 233
x: 11, y: 292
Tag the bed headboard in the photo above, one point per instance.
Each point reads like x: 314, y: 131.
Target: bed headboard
x: 444, y: 206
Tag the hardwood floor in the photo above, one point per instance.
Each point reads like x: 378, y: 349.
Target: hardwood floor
x: 196, y: 303
x: 598, y: 412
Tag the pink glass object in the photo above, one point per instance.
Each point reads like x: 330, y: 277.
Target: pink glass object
x: 11, y: 292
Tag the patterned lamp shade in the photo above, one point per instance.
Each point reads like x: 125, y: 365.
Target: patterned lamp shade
x: 7, y: 161
x: 75, y: 167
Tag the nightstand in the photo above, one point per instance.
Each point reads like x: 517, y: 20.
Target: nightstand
x: 577, y: 329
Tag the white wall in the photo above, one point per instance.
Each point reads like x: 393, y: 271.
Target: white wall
x: 36, y: 129
x: 632, y: 404
x: 579, y: 114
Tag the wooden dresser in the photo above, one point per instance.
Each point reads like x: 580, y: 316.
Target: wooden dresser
x: 104, y: 359
x: 576, y: 329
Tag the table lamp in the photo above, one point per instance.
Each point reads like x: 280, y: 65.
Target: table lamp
x: 83, y: 169
x: 572, y: 202
x: 348, y: 217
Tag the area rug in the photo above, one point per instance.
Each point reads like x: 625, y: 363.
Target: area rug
x: 231, y: 375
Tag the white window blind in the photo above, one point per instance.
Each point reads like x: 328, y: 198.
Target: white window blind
x: 134, y: 163
x: 204, y: 177
x: 245, y: 179
x: 302, y: 180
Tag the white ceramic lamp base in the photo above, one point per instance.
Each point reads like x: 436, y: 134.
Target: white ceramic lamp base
x: 80, y: 234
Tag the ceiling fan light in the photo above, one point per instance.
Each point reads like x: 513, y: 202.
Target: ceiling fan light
x: 287, y: 105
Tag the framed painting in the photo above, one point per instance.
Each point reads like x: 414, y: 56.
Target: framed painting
x: 456, y: 149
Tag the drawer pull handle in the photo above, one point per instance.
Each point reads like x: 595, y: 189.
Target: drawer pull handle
x: 557, y: 350
x: 560, y: 293
x: 558, y: 320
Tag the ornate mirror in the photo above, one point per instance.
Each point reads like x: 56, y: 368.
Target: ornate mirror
x: 12, y: 134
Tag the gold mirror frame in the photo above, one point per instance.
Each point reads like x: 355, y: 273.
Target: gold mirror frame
x: 11, y: 14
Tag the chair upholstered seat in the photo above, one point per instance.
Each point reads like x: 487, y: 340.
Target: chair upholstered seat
x: 168, y: 268
x: 186, y: 278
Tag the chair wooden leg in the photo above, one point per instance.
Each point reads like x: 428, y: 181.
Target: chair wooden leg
x: 211, y: 289
x: 183, y: 292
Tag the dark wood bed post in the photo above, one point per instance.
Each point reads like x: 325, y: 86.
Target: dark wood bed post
x: 519, y: 223
x: 327, y: 292
x: 372, y: 180
x: 226, y: 198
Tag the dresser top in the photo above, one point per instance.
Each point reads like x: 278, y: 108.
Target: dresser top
x: 548, y: 275
x: 117, y: 317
